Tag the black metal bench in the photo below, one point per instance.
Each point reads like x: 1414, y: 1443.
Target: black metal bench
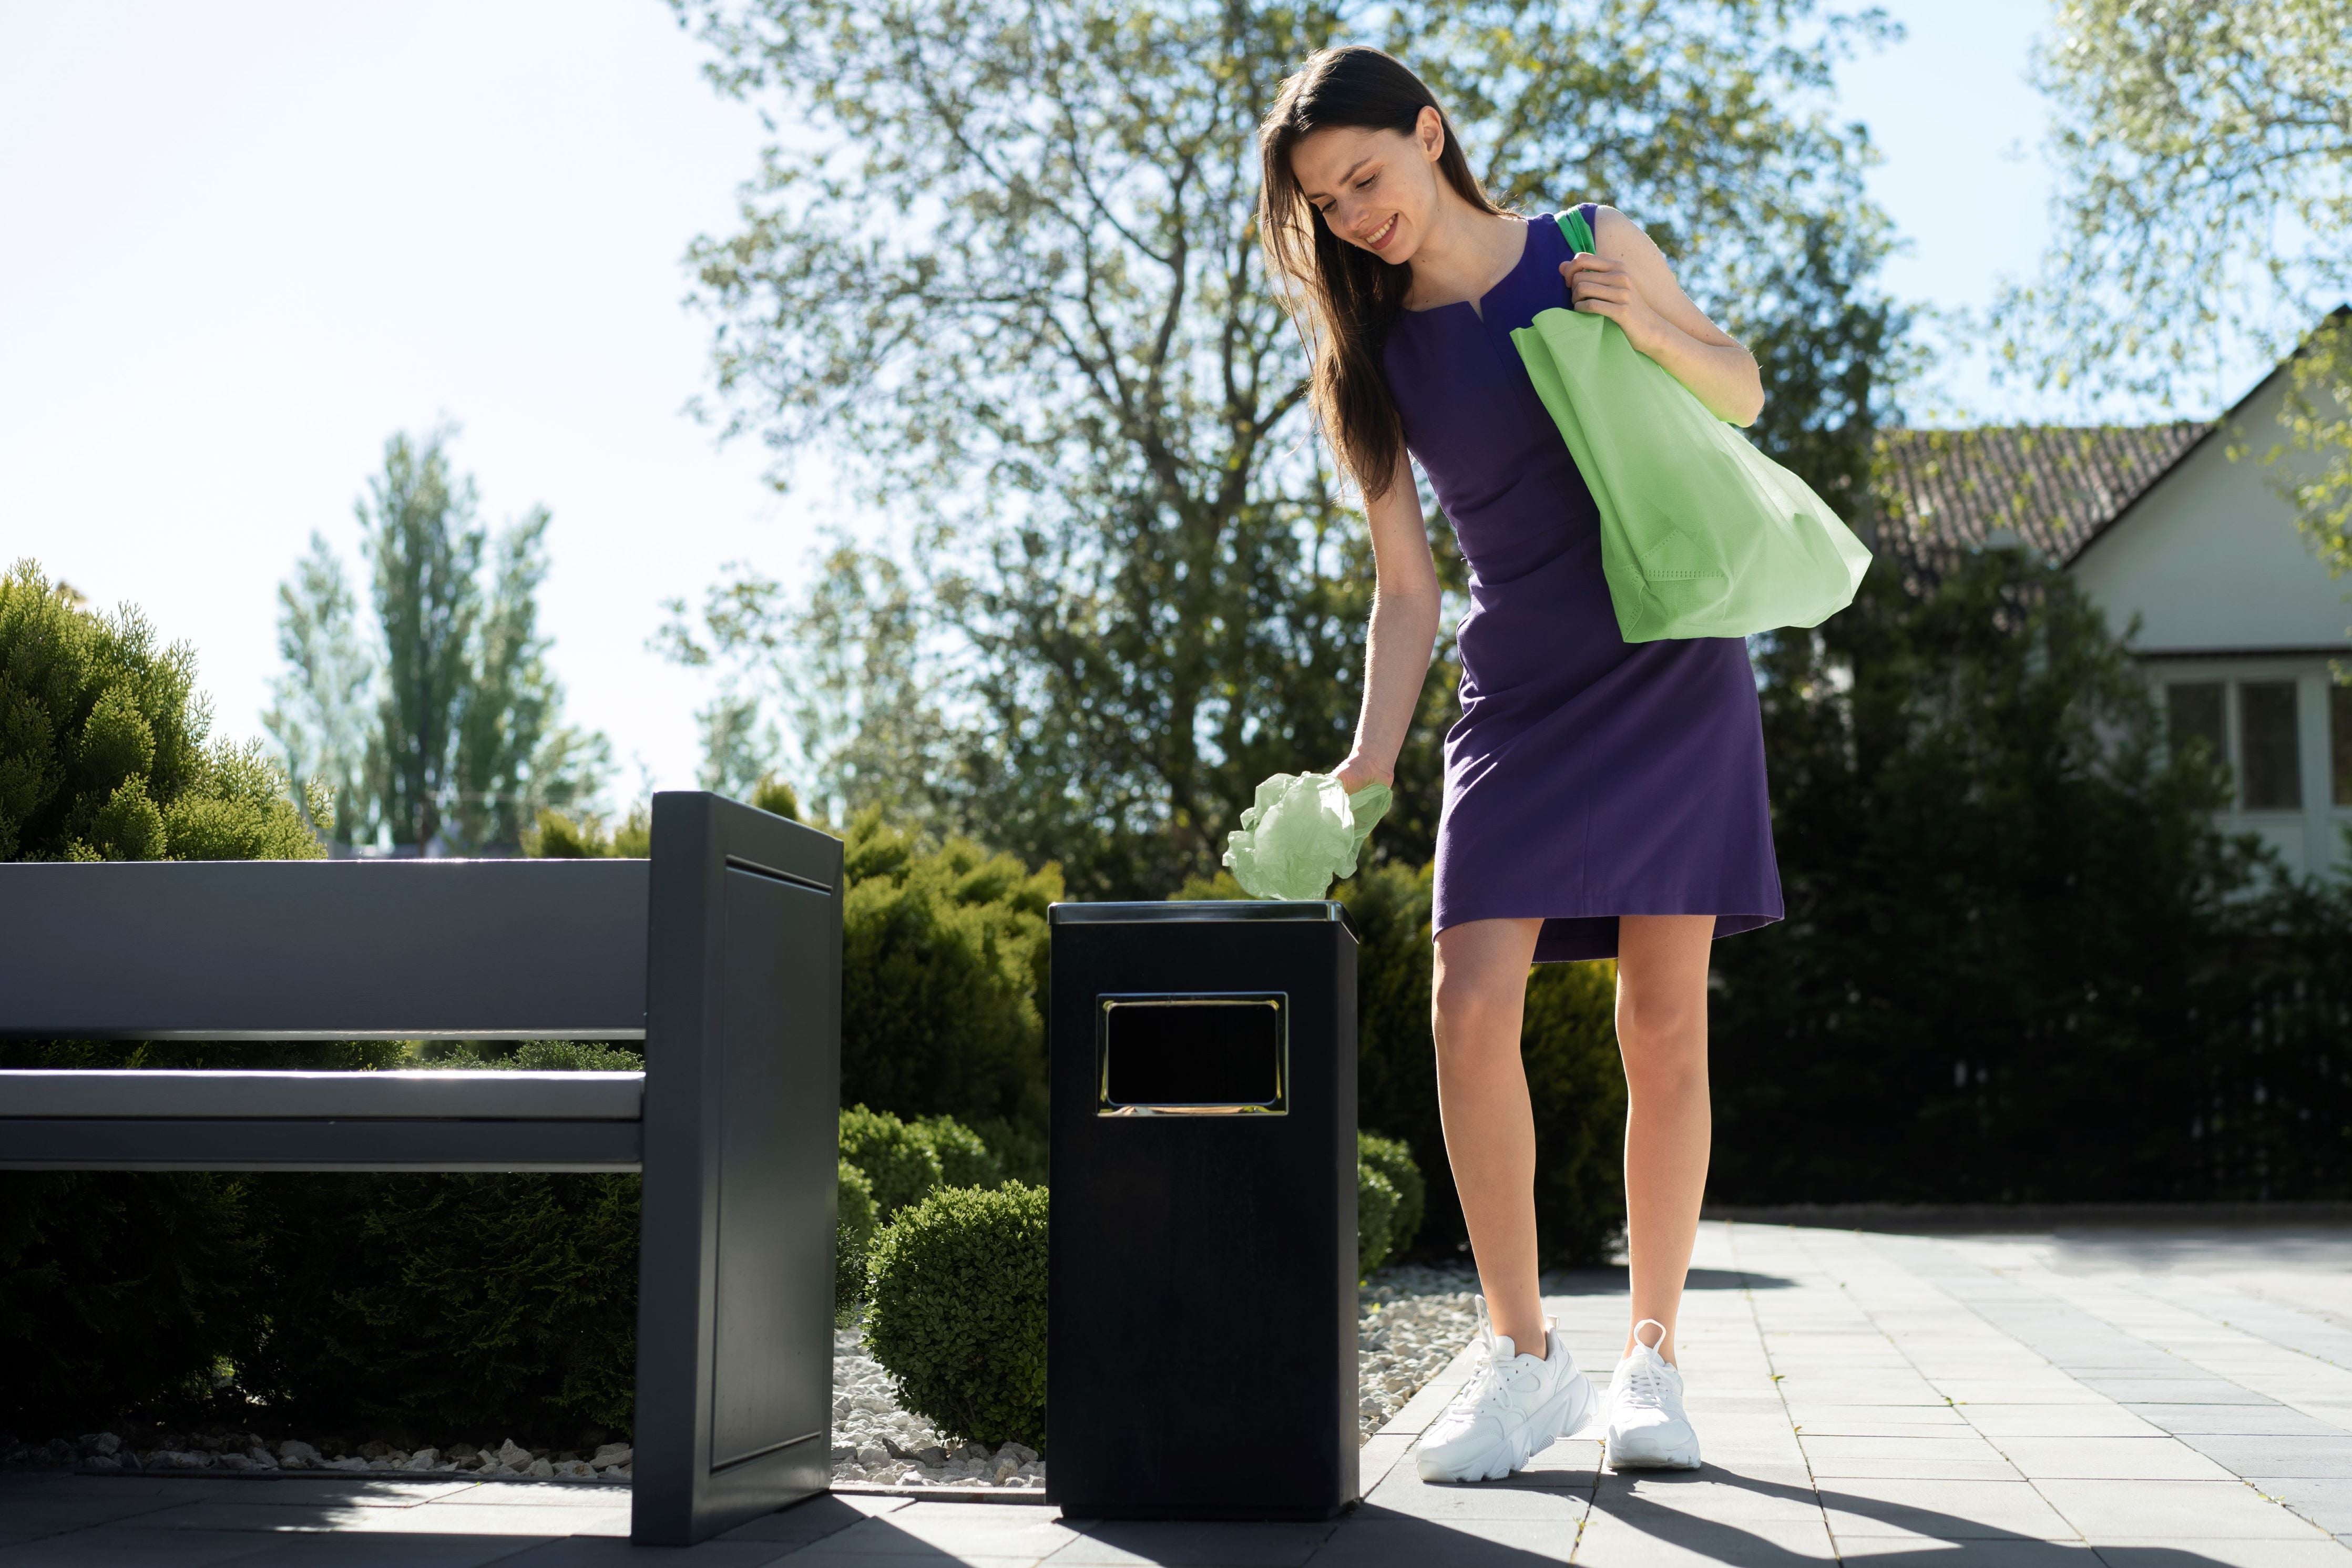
x: 722, y: 953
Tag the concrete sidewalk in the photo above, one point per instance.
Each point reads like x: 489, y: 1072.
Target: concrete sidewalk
x: 2150, y: 1396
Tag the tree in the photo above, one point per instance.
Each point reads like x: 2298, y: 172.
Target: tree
x: 2205, y: 190
x: 845, y: 673
x: 2008, y: 906
x: 324, y: 709
x: 441, y: 722
x: 1010, y: 272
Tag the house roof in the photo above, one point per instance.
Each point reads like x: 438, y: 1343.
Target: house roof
x: 2053, y: 488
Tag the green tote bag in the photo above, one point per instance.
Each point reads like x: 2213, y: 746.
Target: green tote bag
x: 1701, y: 535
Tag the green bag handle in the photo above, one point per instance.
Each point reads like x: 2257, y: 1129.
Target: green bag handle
x: 1579, y: 232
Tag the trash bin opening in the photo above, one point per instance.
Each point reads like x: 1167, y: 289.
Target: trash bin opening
x: 1219, y: 1053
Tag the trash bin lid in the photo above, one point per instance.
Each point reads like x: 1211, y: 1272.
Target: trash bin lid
x: 1198, y: 909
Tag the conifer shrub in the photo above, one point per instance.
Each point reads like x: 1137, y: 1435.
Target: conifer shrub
x: 121, y: 1289
x: 944, y: 959
x: 958, y: 1316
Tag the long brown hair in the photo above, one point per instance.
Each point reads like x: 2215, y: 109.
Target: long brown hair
x: 1343, y: 297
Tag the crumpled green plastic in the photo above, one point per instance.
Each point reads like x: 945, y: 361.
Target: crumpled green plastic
x: 1302, y: 831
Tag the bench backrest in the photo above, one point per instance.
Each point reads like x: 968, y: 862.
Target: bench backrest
x: 409, y: 949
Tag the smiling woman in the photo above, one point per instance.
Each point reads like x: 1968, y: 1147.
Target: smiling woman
x: 1602, y: 798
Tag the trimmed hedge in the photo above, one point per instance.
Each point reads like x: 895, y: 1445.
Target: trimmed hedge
x: 959, y: 1313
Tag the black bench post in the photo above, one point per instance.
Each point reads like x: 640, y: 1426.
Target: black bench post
x: 742, y: 1129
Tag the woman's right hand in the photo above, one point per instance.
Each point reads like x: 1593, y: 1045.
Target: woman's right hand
x: 1356, y: 772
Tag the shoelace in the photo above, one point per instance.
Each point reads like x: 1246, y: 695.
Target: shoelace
x: 1488, y: 1385
x: 1645, y: 1388
x: 1644, y: 1370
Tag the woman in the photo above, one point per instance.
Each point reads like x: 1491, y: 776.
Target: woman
x: 1602, y: 798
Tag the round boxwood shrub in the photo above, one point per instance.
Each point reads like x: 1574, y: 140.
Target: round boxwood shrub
x: 899, y: 1160
x: 959, y: 1311
x: 965, y: 1160
x: 1376, y: 1207
x: 1393, y: 1160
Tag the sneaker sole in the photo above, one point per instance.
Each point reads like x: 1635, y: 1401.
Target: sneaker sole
x: 1683, y: 1458
x: 1496, y: 1464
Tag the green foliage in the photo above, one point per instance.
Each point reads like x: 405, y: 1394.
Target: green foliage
x: 1395, y: 1162
x: 1019, y: 1148
x: 1376, y: 1209
x: 959, y: 1311
x: 943, y: 958
x: 1135, y: 588
x: 2191, y: 140
x: 2021, y: 965
x: 899, y: 1161
x: 858, y: 1217
x: 1575, y: 1082
x: 119, y: 1291
x: 103, y: 750
x: 965, y: 1158
x: 583, y: 836
x: 441, y: 721
x: 462, y: 1303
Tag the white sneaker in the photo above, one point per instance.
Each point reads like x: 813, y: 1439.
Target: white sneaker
x: 1647, y: 1429
x: 1511, y: 1409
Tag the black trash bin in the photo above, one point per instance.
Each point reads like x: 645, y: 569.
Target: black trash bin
x: 1201, y: 1359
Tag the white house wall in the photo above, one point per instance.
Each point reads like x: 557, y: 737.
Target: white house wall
x: 2227, y: 590
x: 2210, y: 559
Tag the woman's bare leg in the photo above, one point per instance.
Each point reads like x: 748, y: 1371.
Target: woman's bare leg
x: 1662, y: 963
x: 1477, y: 997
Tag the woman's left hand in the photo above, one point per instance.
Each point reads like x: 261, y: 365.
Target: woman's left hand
x: 1600, y: 286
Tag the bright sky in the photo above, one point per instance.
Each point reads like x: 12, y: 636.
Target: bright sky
x: 246, y: 241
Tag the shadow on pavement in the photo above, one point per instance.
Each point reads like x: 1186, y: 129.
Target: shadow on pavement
x: 1611, y: 1281
x: 1715, y: 1539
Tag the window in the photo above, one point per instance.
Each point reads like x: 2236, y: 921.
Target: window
x: 2270, y: 762
x: 2339, y: 726
x: 2193, y: 712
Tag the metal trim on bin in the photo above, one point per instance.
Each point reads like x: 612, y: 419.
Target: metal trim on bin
x: 1278, y: 1000
x: 1316, y: 910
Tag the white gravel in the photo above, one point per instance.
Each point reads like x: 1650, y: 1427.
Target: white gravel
x: 1411, y: 1321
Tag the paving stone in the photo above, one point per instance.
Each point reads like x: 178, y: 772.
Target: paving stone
x: 2112, y: 1459
x: 2317, y: 1552
x: 1186, y: 1545
x: 1374, y: 1539
x: 1992, y: 1553
x: 2190, y: 1510
x: 1942, y: 1511
x: 2326, y: 1502
x: 2304, y: 1457
x: 2101, y: 1420
x: 1405, y: 1493
x: 1666, y: 1540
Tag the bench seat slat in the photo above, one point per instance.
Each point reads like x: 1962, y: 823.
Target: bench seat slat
x: 239, y: 1095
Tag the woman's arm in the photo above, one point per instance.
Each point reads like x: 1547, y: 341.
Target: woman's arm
x: 1403, y: 632
x: 1630, y: 282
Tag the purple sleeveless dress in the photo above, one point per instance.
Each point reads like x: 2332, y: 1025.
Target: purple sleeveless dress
x: 1588, y: 777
